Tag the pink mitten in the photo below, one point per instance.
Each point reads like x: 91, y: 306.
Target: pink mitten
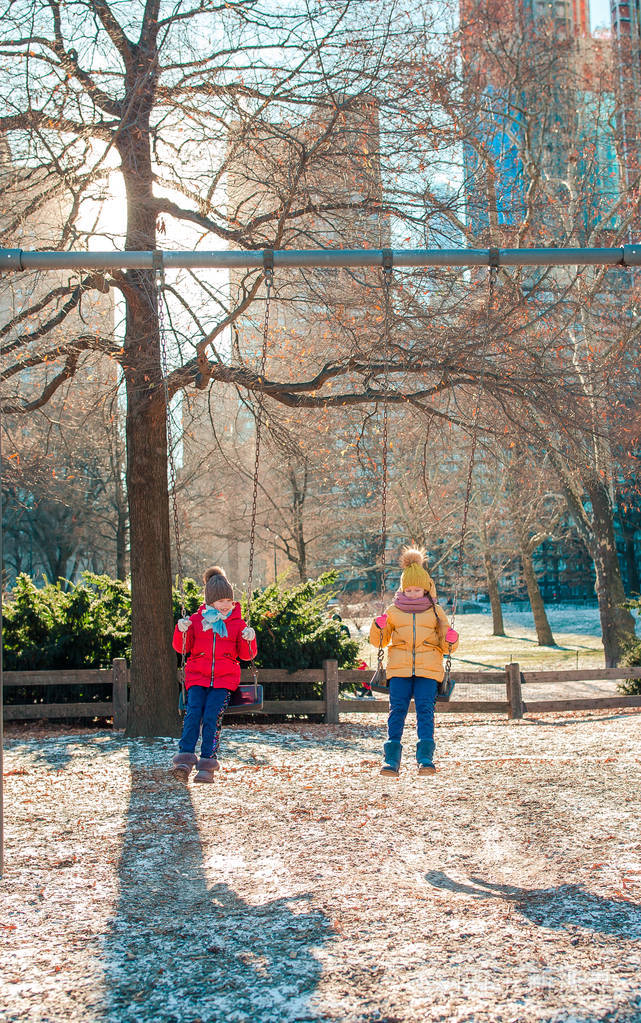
x: 451, y: 636
x: 381, y: 621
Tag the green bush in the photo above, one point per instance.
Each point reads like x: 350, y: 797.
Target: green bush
x: 89, y: 624
x: 294, y: 629
x: 192, y: 596
x: 632, y: 656
x: 83, y: 627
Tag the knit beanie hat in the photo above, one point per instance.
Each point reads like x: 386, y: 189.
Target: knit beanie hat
x: 217, y: 585
x: 414, y: 572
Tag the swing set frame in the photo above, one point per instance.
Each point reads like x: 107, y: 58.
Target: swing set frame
x: 14, y: 260
x: 20, y: 259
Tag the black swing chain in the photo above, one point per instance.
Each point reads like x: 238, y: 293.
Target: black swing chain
x: 159, y: 271
x: 494, y: 266
x: 268, y: 258
x: 387, y: 285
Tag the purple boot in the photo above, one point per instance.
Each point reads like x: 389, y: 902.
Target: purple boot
x: 207, y: 766
x: 182, y: 764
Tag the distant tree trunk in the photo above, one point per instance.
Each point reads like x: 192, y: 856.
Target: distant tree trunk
x: 299, y: 493
x: 121, y: 542
x: 498, y: 629
x: 541, y: 623
x: 634, y: 582
x: 301, y: 545
x: 233, y: 560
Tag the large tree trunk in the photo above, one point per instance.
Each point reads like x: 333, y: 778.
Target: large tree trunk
x: 541, y: 623
x: 154, y: 695
x: 617, y: 624
x: 498, y: 629
x: 597, y: 532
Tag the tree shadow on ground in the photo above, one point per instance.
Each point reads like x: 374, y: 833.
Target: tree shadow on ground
x: 532, y: 719
x: 58, y: 751
x: 180, y: 948
x: 565, y: 907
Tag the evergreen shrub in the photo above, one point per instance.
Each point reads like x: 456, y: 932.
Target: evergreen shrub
x: 86, y: 626
x: 632, y: 656
x: 89, y: 624
x: 295, y: 630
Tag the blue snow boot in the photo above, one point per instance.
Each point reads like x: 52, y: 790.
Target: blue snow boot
x: 424, y: 753
x: 391, y: 758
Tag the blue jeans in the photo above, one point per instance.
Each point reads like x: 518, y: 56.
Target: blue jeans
x: 205, y: 706
x: 401, y: 691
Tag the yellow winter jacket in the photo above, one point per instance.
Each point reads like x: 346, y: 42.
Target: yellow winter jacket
x: 414, y: 644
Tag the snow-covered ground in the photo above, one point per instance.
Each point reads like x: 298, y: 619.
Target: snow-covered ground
x: 563, y: 618
x: 302, y: 886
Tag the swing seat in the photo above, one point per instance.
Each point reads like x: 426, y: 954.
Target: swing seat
x: 244, y: 699
x: 445, y: 690
x: 379, y: 683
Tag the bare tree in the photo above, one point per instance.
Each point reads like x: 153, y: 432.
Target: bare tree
x: 171, y: 101
x: 537, y: 123
x: 148, y: 93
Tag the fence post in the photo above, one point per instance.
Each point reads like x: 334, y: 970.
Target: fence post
x: 330, y: 671
x: 514, y: 694
x: 119, y: 697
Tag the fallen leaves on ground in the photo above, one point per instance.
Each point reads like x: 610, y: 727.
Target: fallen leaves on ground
x: 303, y: 886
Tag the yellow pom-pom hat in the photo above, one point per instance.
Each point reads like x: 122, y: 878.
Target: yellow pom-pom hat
x: 414, y: 572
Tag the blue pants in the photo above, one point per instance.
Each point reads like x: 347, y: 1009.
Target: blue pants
x: 401, y: 691
x: 205, y: 706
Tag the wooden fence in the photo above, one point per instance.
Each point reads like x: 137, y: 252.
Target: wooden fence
x: 331, y: 706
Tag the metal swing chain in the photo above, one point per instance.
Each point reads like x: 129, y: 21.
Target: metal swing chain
x: 159, y: 270
x: 475, y: 431
x: 269, y: 281
x: 387, y: 284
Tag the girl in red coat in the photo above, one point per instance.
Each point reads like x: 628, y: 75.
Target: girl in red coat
x: 215, y: 637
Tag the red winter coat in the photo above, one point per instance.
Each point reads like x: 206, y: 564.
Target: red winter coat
x: 213, y: 660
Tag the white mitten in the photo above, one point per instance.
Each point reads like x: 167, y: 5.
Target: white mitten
x: 248, y: 634
x: 183, y: 624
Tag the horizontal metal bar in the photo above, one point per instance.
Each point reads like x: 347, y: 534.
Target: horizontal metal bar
x: 19, y: 259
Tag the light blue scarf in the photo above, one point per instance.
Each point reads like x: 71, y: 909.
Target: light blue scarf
x: 215, y: 620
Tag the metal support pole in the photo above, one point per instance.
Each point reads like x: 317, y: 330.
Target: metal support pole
x: 19, y: 259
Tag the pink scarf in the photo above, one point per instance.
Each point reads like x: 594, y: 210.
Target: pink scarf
x: 403, y: 603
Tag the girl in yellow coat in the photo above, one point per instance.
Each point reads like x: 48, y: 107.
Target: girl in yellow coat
x: 416, y: 630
